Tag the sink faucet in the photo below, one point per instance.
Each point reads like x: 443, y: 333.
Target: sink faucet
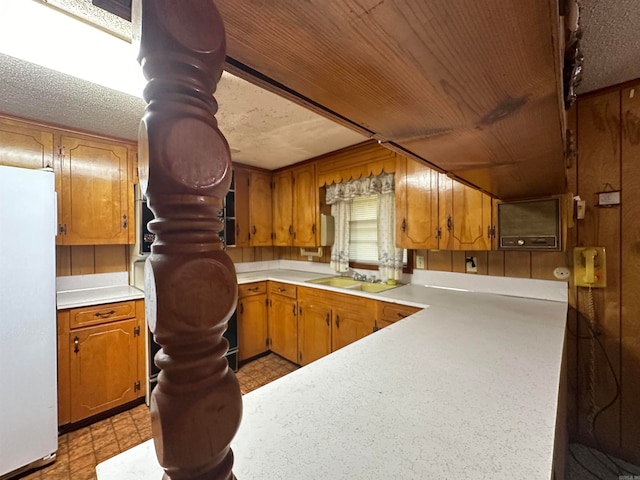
x: 359, y: 276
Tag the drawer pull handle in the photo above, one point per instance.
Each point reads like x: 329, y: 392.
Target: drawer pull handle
x: 294, y: 310
x: 76, y: 345
x: 105, y: 314
x: 328, y: 319
x: 401, y: 315
x: 282, y: 289
x: 338, y: 321
x: 253, y: 289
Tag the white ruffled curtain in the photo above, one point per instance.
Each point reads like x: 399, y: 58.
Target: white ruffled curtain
x: 341, y: 211
x: 339, y: 196
x: 389, y: 257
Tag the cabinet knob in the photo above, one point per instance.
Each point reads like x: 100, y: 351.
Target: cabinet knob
x: 76, y: 345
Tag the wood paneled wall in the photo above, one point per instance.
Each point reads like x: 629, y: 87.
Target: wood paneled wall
x: 607, y: 125
x: 87, y: 259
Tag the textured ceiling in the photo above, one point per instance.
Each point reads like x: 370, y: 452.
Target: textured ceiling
x: 610, y: 42
x: 262, y: 128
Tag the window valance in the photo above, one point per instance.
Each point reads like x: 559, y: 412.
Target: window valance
x: 375, y: 184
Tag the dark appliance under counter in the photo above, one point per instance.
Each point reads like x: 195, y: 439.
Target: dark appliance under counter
x: 231, y: 334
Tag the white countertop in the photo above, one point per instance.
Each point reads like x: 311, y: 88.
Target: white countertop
x: 467, y: 388
x: 83, y: 290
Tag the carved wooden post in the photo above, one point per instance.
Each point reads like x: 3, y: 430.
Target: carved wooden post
x: 190, y: 282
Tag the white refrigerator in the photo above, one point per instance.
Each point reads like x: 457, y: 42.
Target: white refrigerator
x: 28, y: 382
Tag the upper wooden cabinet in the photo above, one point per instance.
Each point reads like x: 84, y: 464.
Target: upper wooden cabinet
x: 465, y: 216
x: 435, y: 212
x: 25, y: 145
x: 416, y: 205
x: 283, y: 209
x: 260, y: 209
x: 305, y: 206
x: 94, y: 192
x: 252, y: 208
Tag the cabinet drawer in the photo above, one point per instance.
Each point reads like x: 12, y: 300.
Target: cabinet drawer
x: 252, y: 289
x: 283, y: 289
x: 392, y: 312
x: 97, y: 314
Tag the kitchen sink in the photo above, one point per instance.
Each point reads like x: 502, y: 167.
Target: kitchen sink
x: 342, y: 282
x: 351, y: 284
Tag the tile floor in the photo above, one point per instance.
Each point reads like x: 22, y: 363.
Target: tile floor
x: 80, y: 451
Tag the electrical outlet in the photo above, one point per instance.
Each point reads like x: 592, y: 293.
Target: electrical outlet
x: 420, y: 262
x: 471, y: 264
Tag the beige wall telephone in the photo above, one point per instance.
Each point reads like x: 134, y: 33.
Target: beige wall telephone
x: 590, y: 267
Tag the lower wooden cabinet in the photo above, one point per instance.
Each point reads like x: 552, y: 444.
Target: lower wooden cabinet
x: 100, y: 362
x: 353, y: 319
x: 253, y: 330
x: 388, y: 313
x: 283, y: 320
x: 329, y: 321
x: 303, y: 324
x: 314, y: 329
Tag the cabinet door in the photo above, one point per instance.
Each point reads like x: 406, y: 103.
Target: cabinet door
x: 305, y: 206
x: 94, y: 195
x: 253, y: 331
x: 416, y: 205
x: 467, y: 219
x: 314, y: 331
x: 283, y: 209
x: 103, y: 367
x: 353, y: 319
x: 25, y: 145
x: 241, y: 183
x: 283, y: 327
x: 260, y: 209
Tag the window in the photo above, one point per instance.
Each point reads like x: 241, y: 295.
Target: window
x: 363, y: 232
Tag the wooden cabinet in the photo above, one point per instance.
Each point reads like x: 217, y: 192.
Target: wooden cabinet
x: 329, y: 321
x: 253, y: 215
x: 416, y: 205
x: 282, y: 202
x: 305, y: 206
x: 25, y: 145
x: 388, y: 313
x: 100, y: 358
x: 94, y: 192
x: 283, y: 320
x: 353, y: 319
x: 435, y: 212
x: 465, y: 216
x: 314, y: 326
x: 253, y: 333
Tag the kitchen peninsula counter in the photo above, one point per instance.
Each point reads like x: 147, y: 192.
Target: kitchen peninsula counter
x: 466, y: 388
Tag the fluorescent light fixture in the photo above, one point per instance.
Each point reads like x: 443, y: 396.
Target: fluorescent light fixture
x: 42, y: 35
